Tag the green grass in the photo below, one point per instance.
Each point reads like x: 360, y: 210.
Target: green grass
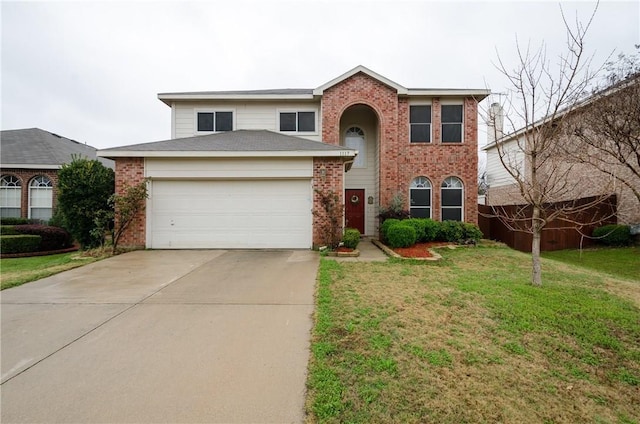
x: 623, y: 262
x: 468, y: 339
x: 18, y: 271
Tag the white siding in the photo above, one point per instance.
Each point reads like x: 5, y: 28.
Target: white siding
x: 229, y: 168
x: 248, y: 115
x: 497, y: 175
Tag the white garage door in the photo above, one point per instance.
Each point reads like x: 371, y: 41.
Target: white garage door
x: 230, y: 214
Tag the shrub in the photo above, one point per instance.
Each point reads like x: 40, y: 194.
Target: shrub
x: 384, y: 228
x: 8, y: 230
x: 418, y: 224
x: 471, y: 232
x: 351, y: 238
x: 401, y: 235
x: 431, y: 230
x: 451, y: 231
x: 396, y: 208
x: 52, y: 238
x: 613, y: 235
x: 19, y: 244
x: 16, y: 221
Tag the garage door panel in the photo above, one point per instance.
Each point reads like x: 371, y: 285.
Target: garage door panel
x: 231, y: 214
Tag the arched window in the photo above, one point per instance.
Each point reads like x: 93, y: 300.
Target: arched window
x: 10, y: 195
x: 451, y: 195
x: 354, y: 139
x: 40, y: 198
x: 420, y: 197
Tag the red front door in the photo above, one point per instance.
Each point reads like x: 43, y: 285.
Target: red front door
x: 354, y: 209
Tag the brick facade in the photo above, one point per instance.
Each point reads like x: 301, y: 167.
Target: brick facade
x: 26, y: 176
x: 327, y: 177
x: 400, y: 160
x: 130, y: 171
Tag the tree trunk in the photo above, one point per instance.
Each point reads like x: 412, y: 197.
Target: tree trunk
x: 536, y: 275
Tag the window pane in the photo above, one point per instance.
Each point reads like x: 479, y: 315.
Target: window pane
x: 451, y: 197
x: 420, y: 212
x: 224, y: 121
x: 288, y: 121
x: 451, y: 133
x: 420, y: 114
x: 41, y: 213
x: 420, y: 197
x: 452, y: 214
x: 10, y: 197
x: 205, y: 121
x: 452, y: 113
x: 420, y: 133
x: 9, y: 212
x: 306, y: 121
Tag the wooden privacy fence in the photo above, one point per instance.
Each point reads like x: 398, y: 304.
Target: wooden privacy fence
x: 556, y: 235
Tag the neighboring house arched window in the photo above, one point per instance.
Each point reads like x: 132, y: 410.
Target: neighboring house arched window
x: 40, y: 198
x: 354, y: 139
x: 420, y: 197
x: 451, y: 195
x: 10, y: 195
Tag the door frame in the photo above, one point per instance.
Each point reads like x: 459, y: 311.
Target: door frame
x: 361, y: 193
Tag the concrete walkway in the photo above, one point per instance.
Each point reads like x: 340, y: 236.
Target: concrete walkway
x: 161, y: 336
x: 368, y: 253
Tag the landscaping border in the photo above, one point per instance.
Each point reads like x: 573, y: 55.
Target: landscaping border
x: 389, y: 252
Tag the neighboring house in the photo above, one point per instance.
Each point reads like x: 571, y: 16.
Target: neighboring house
x: 241, y: 168
x: 29, y: 163
x: 585, y: 171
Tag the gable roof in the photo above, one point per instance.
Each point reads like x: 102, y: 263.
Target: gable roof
x: 316, y: 93
x: 33, y: 148
x: 241, y: 143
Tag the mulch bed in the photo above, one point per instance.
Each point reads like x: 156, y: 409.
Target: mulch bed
x: 418, y: 250
x: 343, y: 249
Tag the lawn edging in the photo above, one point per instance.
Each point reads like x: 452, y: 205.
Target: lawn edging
x: 389, y: 252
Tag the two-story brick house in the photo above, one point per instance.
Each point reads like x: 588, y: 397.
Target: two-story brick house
x: 242, y: 167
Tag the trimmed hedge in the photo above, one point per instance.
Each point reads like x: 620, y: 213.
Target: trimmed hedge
x: 428, y: 230
x: 19, y: 243
x: 8, y: 230
x: 53, y: 238
x: 17, y: 221
x: 351, y: 238
x: 613, y: 235
x: 401, y: 235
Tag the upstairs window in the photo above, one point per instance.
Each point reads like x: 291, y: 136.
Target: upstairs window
x: 215, y: 121
x: 297, y: 121
x: 451, y: 194
x: 452, y: 123
x: 420, y: 123
x: 420, y: 196
x: 40, y: 198
x: 354, y: 139
x: 10, y: 195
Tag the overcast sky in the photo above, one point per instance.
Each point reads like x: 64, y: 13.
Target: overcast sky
x: 91, y: 71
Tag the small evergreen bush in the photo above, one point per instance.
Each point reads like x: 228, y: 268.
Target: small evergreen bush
x: 16, y: 221
x: 384, y: 228
x: 451, y: 231
x: 8, y: 230
x: 52, y: 238
x: 19, y: 244
x: 431, y: 230
x: 471, y: 232
x: 613, y: 235
x: 418, y: 224
x: 351, y: 238
x: 401, y: 235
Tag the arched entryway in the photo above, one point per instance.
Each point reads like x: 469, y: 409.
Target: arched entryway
x: 359, y: 129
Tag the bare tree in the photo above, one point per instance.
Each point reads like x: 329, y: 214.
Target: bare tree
x: 607, y: 132
x: 541, y: 96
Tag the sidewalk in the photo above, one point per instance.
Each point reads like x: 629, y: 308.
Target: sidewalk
x: 368, y: 253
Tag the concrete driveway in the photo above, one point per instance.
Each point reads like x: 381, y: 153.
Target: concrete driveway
x: 161, y: 336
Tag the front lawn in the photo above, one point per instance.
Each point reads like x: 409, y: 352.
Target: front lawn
x: 623, y: 262
x: 17, y: 271
x: 468, y: 339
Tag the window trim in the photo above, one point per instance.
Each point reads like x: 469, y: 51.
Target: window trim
x: 17, y: 186
x: 296, y: 111
x: 422, y: 123
x: 196, y: 111
x: 430, y: 188
x: 49, y: 187
x: 461, y: 188
x: 452, y: 103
